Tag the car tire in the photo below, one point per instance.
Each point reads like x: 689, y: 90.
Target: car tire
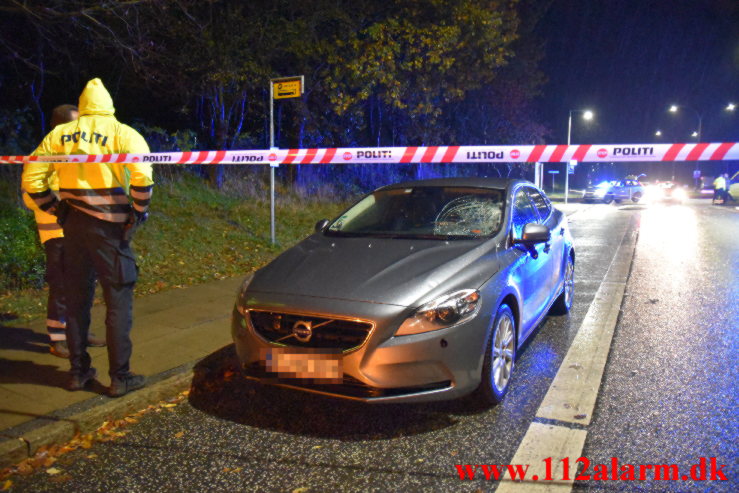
x: 500, y: 359
x: 608, y: 199
x: 618, y: 201
x: 636, y: 197
x: 563, y: 303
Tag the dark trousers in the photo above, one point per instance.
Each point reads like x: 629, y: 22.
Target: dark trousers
x: 95, y: 247
x: 55, y: 305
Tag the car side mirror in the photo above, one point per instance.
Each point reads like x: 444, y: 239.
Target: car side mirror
x: 321, y: 225
x: 534, y: 233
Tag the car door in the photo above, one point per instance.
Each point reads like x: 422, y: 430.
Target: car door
x: 530, y: 271
x: 555, y: 251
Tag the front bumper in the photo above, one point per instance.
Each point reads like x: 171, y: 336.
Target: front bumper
x: 437, y: 365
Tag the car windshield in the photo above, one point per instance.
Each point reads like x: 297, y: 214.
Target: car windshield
x: 424, y: 212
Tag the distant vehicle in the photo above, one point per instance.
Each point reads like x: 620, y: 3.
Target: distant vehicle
x: 614, y: 191
x: 665, y: 192
x: 420, y: 291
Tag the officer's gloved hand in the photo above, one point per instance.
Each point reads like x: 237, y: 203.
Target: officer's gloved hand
x: 140, y: 217
x: 135, y: 219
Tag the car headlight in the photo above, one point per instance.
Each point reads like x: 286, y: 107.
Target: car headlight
x: 679, y: 194
x: 600, y: 192
x: 443, y: 312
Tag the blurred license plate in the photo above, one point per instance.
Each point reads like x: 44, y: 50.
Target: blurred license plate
x: 313, y: 365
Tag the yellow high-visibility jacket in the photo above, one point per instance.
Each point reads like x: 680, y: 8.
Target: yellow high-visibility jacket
x: 719, y: 183
x: 46, y: 223
x: 99, y: 189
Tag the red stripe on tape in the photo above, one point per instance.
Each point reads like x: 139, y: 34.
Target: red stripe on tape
x: 219, y: 157
x: 536, y: 153
x: 330, y: 153
x: 695, y: 154
x: 90, y: 158
x: 106, y: 158
x: 429, y: 154
x: 185, y: 157
x: 309, y: 156
x: 559, y: 151
x: 719, y: 153
x: 121, y: 158
x: 450, y: 154
x: 202, y: 156
x: 291, y: 155
x: 408, y: 155
x: 672, y: 152
x: 581, y: 151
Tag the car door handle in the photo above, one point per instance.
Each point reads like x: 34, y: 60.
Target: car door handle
x: 561, y: 232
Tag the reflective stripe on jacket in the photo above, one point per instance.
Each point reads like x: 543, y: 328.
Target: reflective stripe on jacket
x: 99, y: 189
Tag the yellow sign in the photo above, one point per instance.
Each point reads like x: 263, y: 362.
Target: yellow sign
x: 290, y: 88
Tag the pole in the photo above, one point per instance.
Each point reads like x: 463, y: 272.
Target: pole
x: 567, y: 165
x: 271, y: 168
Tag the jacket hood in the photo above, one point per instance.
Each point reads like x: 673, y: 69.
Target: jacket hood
x: 95, y: 99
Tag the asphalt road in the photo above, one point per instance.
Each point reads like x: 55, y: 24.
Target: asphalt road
x: 669, y: 393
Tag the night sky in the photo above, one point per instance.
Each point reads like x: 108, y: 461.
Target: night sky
x: 629, y: 60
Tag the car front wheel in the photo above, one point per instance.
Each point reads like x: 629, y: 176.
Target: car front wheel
x: 636, y: 197
x: 500, y: 356
x: 563, y: 303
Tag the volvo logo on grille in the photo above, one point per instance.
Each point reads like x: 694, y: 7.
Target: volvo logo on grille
x: 303, y: 330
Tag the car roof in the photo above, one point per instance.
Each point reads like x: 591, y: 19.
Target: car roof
x: 478, y: 182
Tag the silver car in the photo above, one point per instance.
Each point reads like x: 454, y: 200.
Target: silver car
x: 420, y: 291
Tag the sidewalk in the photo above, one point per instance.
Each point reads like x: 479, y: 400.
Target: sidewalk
x: 172, y: 331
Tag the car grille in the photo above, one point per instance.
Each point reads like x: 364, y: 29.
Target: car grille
x: 325, y: 333
x: 348, y: 386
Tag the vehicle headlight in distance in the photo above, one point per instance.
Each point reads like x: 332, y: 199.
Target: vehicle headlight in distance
x: 600, y: 192
x: 446, y: 311
x: 241, y: 302
x: 679, y: 194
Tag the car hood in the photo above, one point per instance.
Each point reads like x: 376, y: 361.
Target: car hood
x: 377, y: 270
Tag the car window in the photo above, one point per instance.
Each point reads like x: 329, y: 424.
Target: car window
x: 429, y: 212
x: 540, y: 202
x: 524, y: 212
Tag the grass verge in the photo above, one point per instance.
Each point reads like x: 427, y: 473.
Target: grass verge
x: 196, y: 234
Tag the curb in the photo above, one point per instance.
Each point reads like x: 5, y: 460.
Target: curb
x: 22, y: 441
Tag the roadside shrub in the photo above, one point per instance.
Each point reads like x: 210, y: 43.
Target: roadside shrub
x: 22, y: 260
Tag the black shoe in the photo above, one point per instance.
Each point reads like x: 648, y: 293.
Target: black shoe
x: 95, y: 341
x: 119, y: 387
x: 80, y: 381
x: 59, y: 348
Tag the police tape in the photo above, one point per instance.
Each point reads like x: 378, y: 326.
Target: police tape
x: 585, y: 153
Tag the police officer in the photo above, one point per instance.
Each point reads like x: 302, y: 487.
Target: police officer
x: 51, y: 236
x: 101, y: 203
x: 719, y: 184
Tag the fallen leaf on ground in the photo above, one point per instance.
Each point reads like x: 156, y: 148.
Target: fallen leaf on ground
x: 53, y: 470
x: 7, y: 485
x: 179, y: 434
x: 169, y: 405
x: 62, y: 478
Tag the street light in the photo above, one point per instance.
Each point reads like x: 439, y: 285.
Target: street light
x: 658, y: 133
x: 586, y: 115
x: 730, y: 107
x: 697, y: 133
